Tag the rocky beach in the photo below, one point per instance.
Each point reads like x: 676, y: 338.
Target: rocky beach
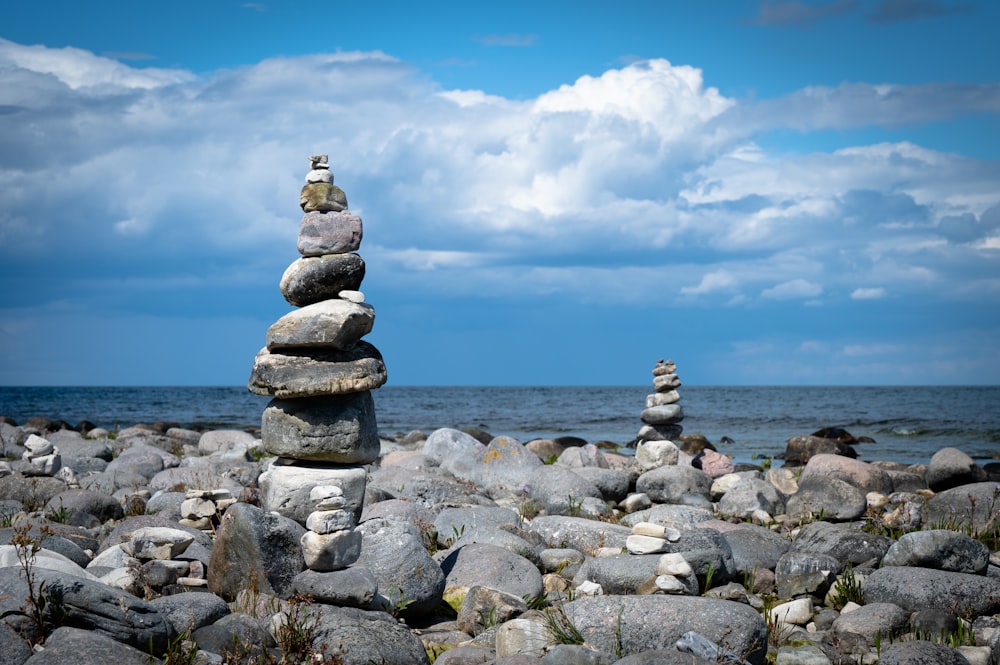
x: 317, y: 539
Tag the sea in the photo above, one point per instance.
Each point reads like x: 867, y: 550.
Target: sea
x: 908, y: 423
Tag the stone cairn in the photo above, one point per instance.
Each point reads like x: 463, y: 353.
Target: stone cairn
x: 661, y: 419
x: 320, y: 423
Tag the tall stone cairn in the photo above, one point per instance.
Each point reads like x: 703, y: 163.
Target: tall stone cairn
x: 663, y: 415
x: 321, y: 423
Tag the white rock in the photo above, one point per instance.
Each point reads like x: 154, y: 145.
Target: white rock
x: 648, y: 529
x: 796, y: 612
x: 329, y: 521
x: 588, y: 588
x: 46, y: 559
x: 645, y: 544
x: 527, y: 637
x: 113, y: 557
x: 320, y: 492
x: 153, y: 542
x: 353, y: 296
x: 331, y: 551
x: 669, y: 584
x: 674, y: 564
x: 47, y: 464
x: 36, y: 446
x: 635, y: 502
x: 320, y: 175
x: 653, y: 454
x: 607, y: 551
x: 194, y: 509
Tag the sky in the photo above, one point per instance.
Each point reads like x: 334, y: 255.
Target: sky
x: 768, y: 192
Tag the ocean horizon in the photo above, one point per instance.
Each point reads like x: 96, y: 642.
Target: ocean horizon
x: 908, y: 423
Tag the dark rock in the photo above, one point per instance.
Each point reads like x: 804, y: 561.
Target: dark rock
x: 33, y: 492
x: 844, y: 543
x: 330, y: 428
x: 933, y: 624
x: 310, y: 280
x: 916, y: 589
x: 14, y: 650
x: 967, y: 507
x: 873, y: 620
x: 255, y: 550
x: 920, y: 653
x: 805, y: 572
x: 238, y: 635
x: 576, y: 654
x: 754, y: 547
x: 187, y: 612
x: 950, y: 467
x: 358, y: 637
x: 941, y: 549
x: 351, y: 587
x: 84, y: 647
x: 70, y: 501
x: 800, y: 449
x: 669, y: 484
x: 301, y: 374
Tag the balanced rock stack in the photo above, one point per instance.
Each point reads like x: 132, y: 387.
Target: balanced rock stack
x: 663, y: 415
x: 321, y: 422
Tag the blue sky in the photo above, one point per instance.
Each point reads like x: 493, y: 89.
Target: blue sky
x: 768, y: 192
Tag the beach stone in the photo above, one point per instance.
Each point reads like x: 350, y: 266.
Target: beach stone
x: 914, y: 589
x: 255, y: 550
x: 446, y: 443
x: 333, y: 428
x: 181, y: 479
x: 638, y: 544
x: 559, y: 489
x: 482, y: 604
x: 626, y: 574
x: 286, y: 485
x: 713, y: 463
x: 140, y: 459
x: 800, y: 449
x: 481, y: 564
x: 832, y: 498
x: 885, y: 619
x: 329, y: 233
x: 796, y: 612
x: 576, y: 654
x: 865, y: 477
x: 393, y: 551
x: 578, y: 533
x: 612, y: 484
x: 950, y: 467
x: 328, y: 324
x: 499, y: 470
x: 753, y: 547
x: 663, y: 399
x: 323, y: 197
x: 636, y: 624
x: 522, y: 640
x: 669, y: 515
x: 100, y: 505
x: 14, y: 649
x: 670, y: 484
x: 84, y: 647
x: 659, y: 432
x: 846, y: 544
x: 187, y: 612
x: 805, y: 573
x: 666, y: 382
x: 401, y: 509
x: 221, y: 441
x: 467, y: 521
x: 44, y: 558
x: 313, y: 279
x: 36, y: 490
x: 664, y: 657
x: 329, y: 521
x: 427, y: 488
x: 966, y: 507
x: 553, y: 559
x: 666, y: 414
x: 158, y: 543
x: 749, y: 495
x: 330, y: 551
x: 93, y: 606
x: 351, y: 587
x: 297, y: 374
x: 231, y: 635
x: 940, y: 549
x: 360, y: 637
x: 919, y: 652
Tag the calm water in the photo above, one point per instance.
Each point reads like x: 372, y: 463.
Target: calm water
x: 908, y: 423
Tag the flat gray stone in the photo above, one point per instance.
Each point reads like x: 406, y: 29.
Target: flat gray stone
x: 328, y: 324
x: 941, y: 549
x: 334, y: 428
x: 317, y: 278
x: 85, y: 647
x: 301, y: 374
x: 494, y: 567
x: 916, y: 589
x: 844, y: 543
x: 187, y: 612
x: 920, y: 653
x: 350, y: 587
x: 669, y: 484
x: 359, y: 637
x: 329, y: 233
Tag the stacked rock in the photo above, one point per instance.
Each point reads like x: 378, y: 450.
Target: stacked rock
x: 662, y: 415
x: 332, y: 542
x: 321, y: 423
x: 41, y: 457
x: 202, y: 509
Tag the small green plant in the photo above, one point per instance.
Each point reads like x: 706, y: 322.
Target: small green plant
x: 61, y: 515
x: 180, y: 651
x: 399, y: 603
x: 709, y: 575
x: 535, y: 602
x: 560, y: 627
x: 551, y: 459
x: 489, y: 619
x: 573, y: 506
x: 616, y: 647
x: 847, y: 589
x: 778, y: 631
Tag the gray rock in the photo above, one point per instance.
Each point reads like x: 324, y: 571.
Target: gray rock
x: 166, y: 503
x: 394, y: 553
x: 559, y: 489
x: 122, y: 532
x: 950, y: 467
x: 331, y: 428
x: 401, y: 509
x: 460, y: 522
x: 920, y: 653
x: 234, y: 635
x: 84, y: 647
x: 499, y: 470
x: 300, y: 374
x: 874, y: 619
x: 481, y: 564
x: 805, y: 573
x: 358, y: 637
x: 55, y: 543
x: 666, y: 414
x: 255, y: 550
x: 350, y: 587
x: 941, y: 549
x: 613, y: 484
x: 755, y: 548
x: 965, y: 507
x: 328, y: 324
x: 286, y: 485
x: 831, y: 498
x: 844, y: 543
x: 101, y: 506
x: 669, y: 515
x: 508, y: 538
x: 663, y: 657
x: 750, y: 495
x: 579, y: 533
x: 446, y: 443
x: 30, y: 491
x: 866, y: 477
x: 669, y: 484
x: 187, y: 612
x: 427, y: 488
x: 576, y: 654
x: 312, y: 279
x: 220, y: 441
x: 483, y: 605
x: 636, y: 624
x: 323, y: 233
x: 916, y: 589
x: 109, y: 482
x: 624, y: 574
x: 800, y: 449
x: 14, y: 650
x: 578, y: 457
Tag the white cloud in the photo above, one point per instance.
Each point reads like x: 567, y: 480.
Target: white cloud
x: 871, y: 293
x: 719, y: 280
x: 795, y: 288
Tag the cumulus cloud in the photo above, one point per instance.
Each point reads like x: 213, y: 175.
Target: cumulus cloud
x: 871, y: 293
x: 644, y: 183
